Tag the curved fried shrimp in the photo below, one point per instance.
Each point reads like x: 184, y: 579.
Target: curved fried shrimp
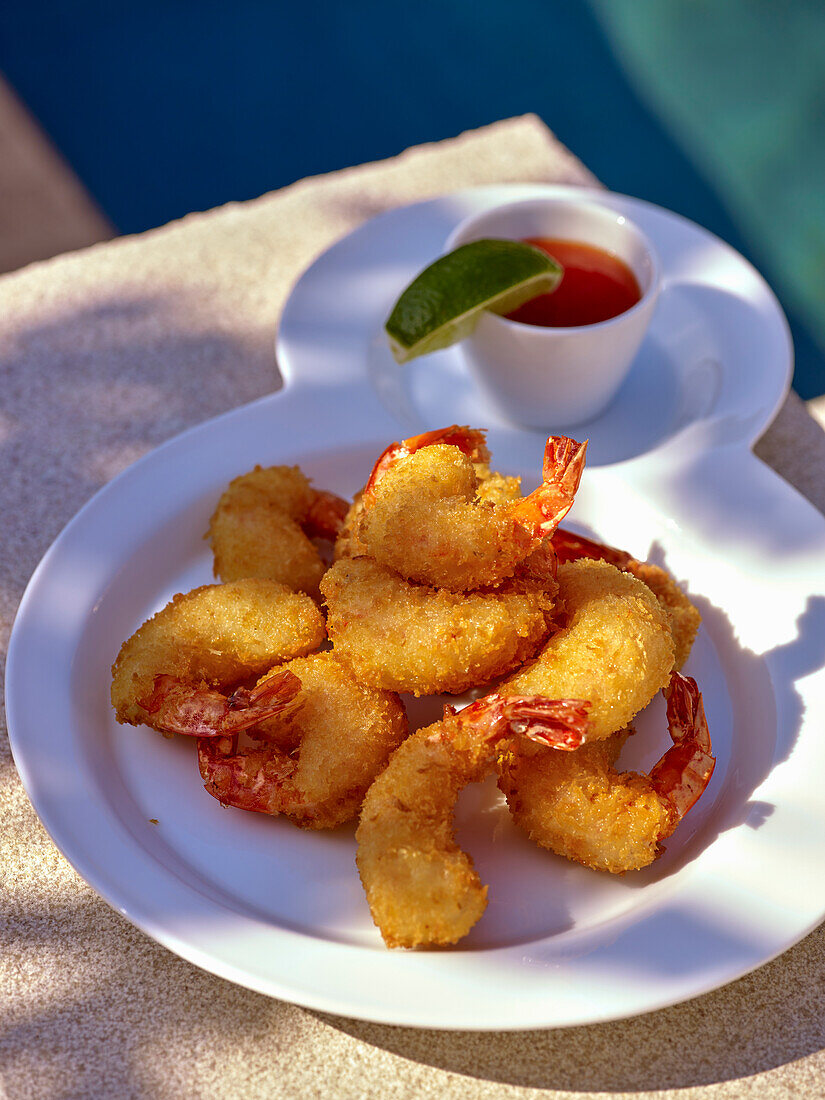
x: 263, y: 525
x: 421, y: 514
x: 492, y: 488
x: 315, y: 763
x: 470, y: 441
x: 214, y: 637
x: 578, y: 806
x: 684, y: 617
x: 420, y: 886
x: 409, y: 637
x: 176, y: 707
x: 613, y: 647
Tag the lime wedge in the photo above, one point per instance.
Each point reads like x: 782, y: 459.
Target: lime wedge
x: 442, y: 305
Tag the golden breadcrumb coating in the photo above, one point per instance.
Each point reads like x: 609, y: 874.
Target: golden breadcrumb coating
x: 409, y: 637
x: 420, y: 886
x: 427, y: 523
x: 614, y: 647
x: 316, y: 763
x: 495, y: 487
x: 216, y: 635
x: 492, y: 488
x: 257, y: 529
x: 683, y: 616
x: 347, y: 545
x: 577, y: 805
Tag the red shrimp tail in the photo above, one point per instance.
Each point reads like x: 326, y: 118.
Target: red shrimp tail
x: 252, y: 779
x: 162, y: 686
x: 184, y: 708
x: 178, y: 707
x: 215, y: 753
x: 542, y: 511
x: 564, y: 460
x: 683, y: 773
x: 268, y: 698
x: 556, y: 723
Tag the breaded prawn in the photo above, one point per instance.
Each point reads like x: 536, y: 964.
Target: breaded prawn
x: 421, y: 887
x: 613, y: 647
x: 214, y: 637
x: 578, y: 805
x: 264, y: 523
x: 422, y: 514
x: 314, y: 764
x: 683, y: 615
x: 492, y: 488
x: 408, y: 637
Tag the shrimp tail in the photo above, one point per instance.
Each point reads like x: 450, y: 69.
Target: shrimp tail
x: 556, y: 723
x: 272, y: 694
x: 542, y: 511
x: 247, y: 780
x: 177, y: 707
x: 684, y: 771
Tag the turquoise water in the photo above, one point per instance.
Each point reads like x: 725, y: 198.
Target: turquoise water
x: 714, y: 109
x: 741, y: 87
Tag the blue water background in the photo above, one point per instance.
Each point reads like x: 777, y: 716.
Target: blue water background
x: 716, y: 110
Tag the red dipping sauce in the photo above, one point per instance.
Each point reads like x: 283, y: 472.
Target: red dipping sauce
x: 595, y: 287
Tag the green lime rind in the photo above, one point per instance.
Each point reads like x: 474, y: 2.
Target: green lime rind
x: 442, y: 305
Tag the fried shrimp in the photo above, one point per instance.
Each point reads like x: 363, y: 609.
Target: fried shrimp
x: 683, y: 616
x: 577, y: 805
x: 421, y: 887
x: 422, y: 514
x: 210, y: 639
x: 264, y: 524
x: 493, y: 488
x: 410, y: 637
x: 613, y: 647
x: 314, y: 764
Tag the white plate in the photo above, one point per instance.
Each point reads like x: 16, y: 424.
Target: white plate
x: 281, y: 911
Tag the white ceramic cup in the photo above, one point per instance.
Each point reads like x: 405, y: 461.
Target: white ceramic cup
x: 545, y: 377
